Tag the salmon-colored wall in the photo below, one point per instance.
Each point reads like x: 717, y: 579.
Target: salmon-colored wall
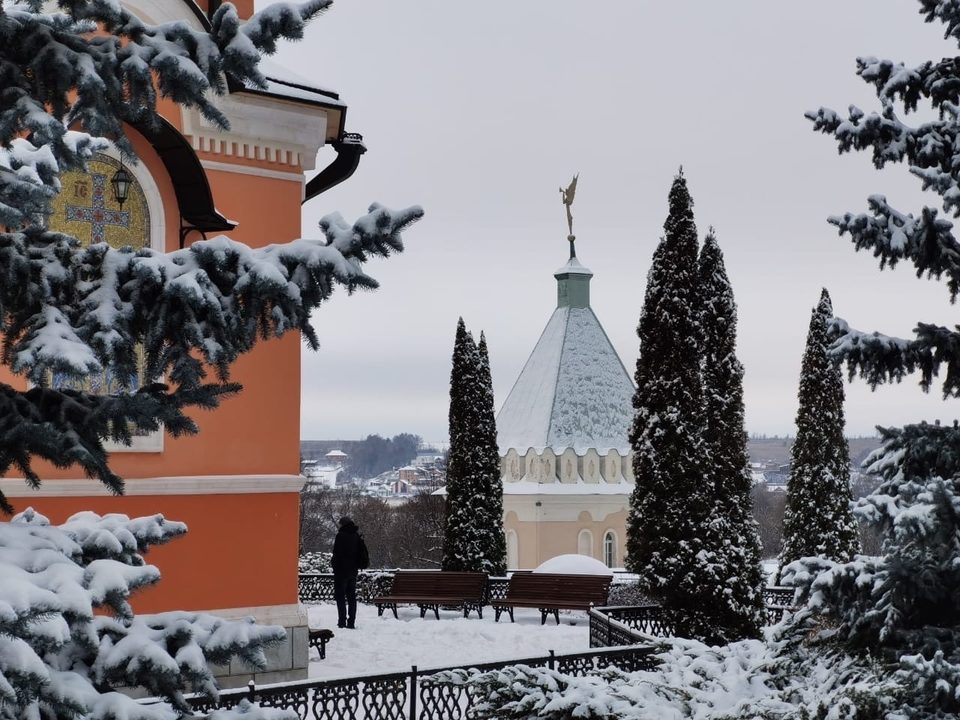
x: 239, y: 551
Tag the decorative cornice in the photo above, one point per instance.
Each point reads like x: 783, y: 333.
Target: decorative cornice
x: 261, y: 128
x: 179, y: 485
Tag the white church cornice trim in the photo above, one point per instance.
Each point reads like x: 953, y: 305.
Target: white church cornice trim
x: 156, y: 12
x: 175, y: 485
x: 260, y: 129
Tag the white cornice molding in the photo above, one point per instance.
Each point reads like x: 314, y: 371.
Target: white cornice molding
x: 156, y: 12
x: 178, y: 485
x: 292, y: 615
x: 260, y: 129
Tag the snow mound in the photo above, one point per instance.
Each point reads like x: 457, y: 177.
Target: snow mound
x: 574, y: 565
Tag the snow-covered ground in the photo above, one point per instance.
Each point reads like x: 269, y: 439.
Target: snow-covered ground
x: 383, y: 644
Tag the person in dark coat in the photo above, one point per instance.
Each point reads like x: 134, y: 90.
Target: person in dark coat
x: 345, y: 562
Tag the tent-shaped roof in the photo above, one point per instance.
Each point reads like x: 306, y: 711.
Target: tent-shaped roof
x: 573, y: 391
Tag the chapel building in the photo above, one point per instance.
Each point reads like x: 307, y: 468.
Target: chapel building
x: 566, y: 463
x: 236, y: 484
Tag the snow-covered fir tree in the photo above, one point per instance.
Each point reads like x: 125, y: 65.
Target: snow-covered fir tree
x: 65, y: 93
x: 726, y: 439
x: 488, y: 459
x: 817, y: 519
x: 69, y: 637
x: 673, y: 542
x: 473, y: 535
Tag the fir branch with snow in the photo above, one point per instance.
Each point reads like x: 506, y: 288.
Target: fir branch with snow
x: 69, y: 640
x: 71, y: 311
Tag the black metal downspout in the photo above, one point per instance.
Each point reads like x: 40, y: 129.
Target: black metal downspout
x: 349, y: 149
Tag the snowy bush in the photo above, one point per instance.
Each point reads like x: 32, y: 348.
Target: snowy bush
x: 628, y: 594
x: 315, y: 562
x: 69, y: 639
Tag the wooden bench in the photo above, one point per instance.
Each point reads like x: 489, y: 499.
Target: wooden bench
x: 431, y: 590
x: 550, y: 593
x: 318, y: 639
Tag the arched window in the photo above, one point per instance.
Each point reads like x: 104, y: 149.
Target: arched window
x: 610, y: 549
x: 585, y: 543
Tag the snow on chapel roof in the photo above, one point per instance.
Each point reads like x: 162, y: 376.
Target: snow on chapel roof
x: 573, y: 391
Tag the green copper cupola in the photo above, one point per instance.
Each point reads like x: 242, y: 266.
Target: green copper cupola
x: 573, y: 285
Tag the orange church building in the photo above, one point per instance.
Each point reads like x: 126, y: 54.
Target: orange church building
x: 236, y: 484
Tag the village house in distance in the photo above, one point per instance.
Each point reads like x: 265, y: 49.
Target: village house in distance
x: 566, y: 462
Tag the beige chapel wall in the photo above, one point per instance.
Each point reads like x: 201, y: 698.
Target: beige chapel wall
x: 538, y: 541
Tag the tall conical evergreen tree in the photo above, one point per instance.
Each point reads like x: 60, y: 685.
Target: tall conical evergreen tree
x: 818, y: 520
x: 726, y: 439
x: 673, y: 543
x: 473, y: 537
x: 488, y: 459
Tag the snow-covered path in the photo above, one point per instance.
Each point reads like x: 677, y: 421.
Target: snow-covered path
x: 383, y: 645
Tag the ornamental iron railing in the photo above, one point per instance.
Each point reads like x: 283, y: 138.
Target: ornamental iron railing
x: 413, y: 695
x: 318, y: 587
x: 623, y: 625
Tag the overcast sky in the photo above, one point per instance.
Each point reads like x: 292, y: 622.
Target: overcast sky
x: 479, y: 111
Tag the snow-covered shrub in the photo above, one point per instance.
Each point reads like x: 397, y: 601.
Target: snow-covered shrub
x: 628, y: 594
x: 315, y: 562
x: 746, y: 680
x: 69, y: 640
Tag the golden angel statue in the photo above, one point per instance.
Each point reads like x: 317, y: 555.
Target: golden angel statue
x: 568, y: 196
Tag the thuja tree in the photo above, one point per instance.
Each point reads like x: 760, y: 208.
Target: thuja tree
x: 817, y: 520
x: 673, y: 543
x: 726, y: 438
x: 68, y: 634
x: 901, y: 606
x: 473, y: 535
x: 488, y: 454
x: 67, y: 92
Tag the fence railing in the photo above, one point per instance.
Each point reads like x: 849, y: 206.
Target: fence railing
x: 318, y: 587
x: 622, y: 625
x: 413, y: 695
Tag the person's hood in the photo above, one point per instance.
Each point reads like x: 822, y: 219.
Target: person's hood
x: 349, y: 527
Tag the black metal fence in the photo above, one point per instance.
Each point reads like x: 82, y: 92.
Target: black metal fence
x: 318, y: 587
x: 632, y: 624
x: 413, y: 695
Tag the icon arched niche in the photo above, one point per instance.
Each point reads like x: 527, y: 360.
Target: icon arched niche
x: 86, y: 208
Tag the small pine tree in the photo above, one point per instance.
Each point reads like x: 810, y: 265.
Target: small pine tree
x: 818, y: 520
x: 473, y: 537
x: 672, y: 543
x: 726, y: 438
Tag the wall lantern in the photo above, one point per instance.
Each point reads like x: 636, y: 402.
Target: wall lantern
x: 121, y: 182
